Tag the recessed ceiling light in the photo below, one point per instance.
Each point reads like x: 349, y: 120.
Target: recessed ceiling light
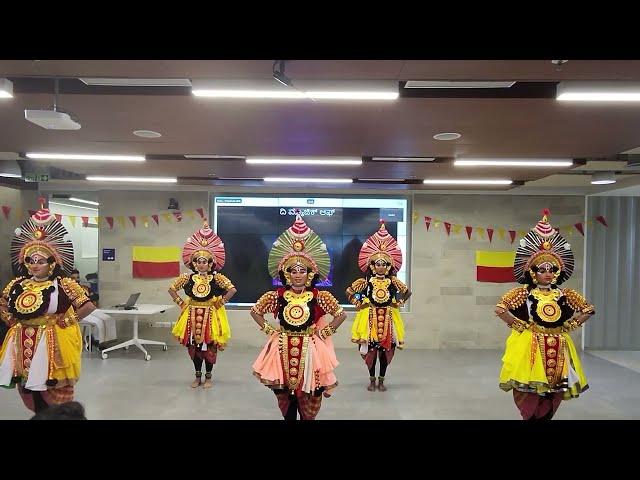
x: 598, y: 91
x: 466, y: 182
x: 73, y: 156
x: 447, y: 136
x: 512, y: 162
x: 146, y: 134
x: 81, y: 200
x: 214, y: 156
x: 317, y: 161
x: 307, y: 180
x: 603, y: 178
x: 304, y: 89
x: 100, y: 178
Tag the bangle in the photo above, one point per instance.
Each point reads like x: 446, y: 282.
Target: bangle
x: 70, y: 319
x: 268, y: 329
x: 327, y: 332
x: 571, y: 325
x: 519, y: 325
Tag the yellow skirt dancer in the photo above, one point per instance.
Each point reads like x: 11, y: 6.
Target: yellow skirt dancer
x: 41, y: 350
x: 378, y: 327
x: 202, y: 326
x: 540, y: 363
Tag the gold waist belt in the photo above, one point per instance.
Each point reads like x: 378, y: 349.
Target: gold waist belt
x: 48, y: 319
x: 535, y: 328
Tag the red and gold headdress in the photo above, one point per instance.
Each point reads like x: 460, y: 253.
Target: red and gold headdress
x: 204, y: 243
x: 42, y: 234
x: 543, y: 244
x: 380, y: 245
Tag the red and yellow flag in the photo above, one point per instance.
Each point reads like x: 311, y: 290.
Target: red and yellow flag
x: 156, y: 262
x: 497, y: 267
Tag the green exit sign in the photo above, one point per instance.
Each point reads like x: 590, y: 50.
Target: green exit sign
x: 36, y: 178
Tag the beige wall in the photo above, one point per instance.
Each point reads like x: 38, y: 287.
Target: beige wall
x: 449, y: 308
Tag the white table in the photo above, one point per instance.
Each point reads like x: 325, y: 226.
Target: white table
x: 143, y: 309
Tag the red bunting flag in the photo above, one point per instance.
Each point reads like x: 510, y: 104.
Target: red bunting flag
x: 469, y: 231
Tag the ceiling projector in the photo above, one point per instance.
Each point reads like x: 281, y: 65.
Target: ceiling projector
x: 51, y: 119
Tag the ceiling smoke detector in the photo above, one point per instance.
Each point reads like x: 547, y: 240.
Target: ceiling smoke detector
x: 146, y: 134
x: 447, y: 136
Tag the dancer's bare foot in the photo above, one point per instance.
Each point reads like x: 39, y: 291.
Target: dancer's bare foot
x: 381, y: 386
x: 372, y: 385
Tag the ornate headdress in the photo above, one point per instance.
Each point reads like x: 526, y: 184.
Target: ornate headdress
x: 42, y: 234
x: 204, y: 243
x: 543, y: 244
x: 380, y: 245
x: 299, y: 245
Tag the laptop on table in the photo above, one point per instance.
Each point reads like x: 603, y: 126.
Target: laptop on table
x: 129, y: 305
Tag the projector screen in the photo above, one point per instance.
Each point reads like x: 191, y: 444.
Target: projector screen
x: 248, y: 226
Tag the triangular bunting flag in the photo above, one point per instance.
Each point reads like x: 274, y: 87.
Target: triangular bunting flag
x: 414, y: 216
x: 178, y: 216
x: 145, y: 221
x: 72, y: 219
x: 109, y: 221
x: 480, y: 231
x: 191, y: 214
x: 155, y: 219
x: 501, y: 232
x: 490, y: 234
x: 85, y: 221
x: 6, y: 209
x: 98, y: 220
x: 201, y: 213
x: 133, y: 220
x: 456, y: 229
x: 512, y: 235
x: 469, y: 230
x: 447, y: 226
x: 601, y: 219
x: 167, y: 217
x: 580, y: 227
x: 427, y: 222
x: 120, y: 219
x: 522, y: 233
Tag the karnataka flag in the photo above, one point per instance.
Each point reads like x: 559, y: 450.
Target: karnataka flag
x: 156, y: 262
x: 497, y: 267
